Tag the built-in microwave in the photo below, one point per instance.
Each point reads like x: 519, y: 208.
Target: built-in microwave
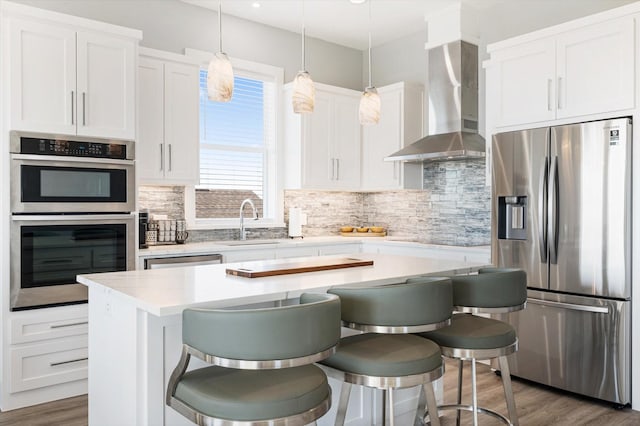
x: 71, y: 175
x: 48, y: 251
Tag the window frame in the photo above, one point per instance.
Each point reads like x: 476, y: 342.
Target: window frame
x: 274, y: 192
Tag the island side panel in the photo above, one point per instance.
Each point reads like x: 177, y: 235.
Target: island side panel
x: 112, y: 359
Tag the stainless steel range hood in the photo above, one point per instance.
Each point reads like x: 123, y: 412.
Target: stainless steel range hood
x: 453, y: 107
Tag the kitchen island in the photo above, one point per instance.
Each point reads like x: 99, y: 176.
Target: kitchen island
x: 135, y: 325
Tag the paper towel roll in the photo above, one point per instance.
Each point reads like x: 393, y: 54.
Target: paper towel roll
x: 295, y: 222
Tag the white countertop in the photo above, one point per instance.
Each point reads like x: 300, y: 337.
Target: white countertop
x: 168, y: 291
x: 225, y: 246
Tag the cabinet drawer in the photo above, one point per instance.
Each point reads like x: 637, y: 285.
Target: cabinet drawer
x: 50, y: 363
x: 48, y: 324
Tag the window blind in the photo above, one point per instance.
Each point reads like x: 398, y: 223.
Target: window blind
x: 237, y: 137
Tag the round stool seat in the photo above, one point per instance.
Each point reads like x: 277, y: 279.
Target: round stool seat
x: 249, y: 395
x: 385, y: 355
x: 473, y: 332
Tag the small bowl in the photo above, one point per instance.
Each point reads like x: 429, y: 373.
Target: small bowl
x: 376, y: 229
x: 346, y: 229
x: 363, y: 230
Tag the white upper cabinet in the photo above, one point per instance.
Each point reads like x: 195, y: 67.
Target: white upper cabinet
x: 168, y: 102
x: 43, y: 77
x: 578, y: 72
x: 595, y: 69
x: 106, y: 95
x: 322, y: 149
x: 70, y: 80
x: 522, y: 83
x: 401, y: 123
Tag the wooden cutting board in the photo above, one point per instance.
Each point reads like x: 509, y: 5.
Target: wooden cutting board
x: 262, y: 269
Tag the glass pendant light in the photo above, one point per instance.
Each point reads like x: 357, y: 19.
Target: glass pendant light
x: 304, y: 92
x: 370, y: 100
x: 220, y: 72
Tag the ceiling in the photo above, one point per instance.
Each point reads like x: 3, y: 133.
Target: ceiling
x: 347, y: 24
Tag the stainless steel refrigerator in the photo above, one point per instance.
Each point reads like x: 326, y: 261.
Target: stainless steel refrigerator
x: 561, y: 210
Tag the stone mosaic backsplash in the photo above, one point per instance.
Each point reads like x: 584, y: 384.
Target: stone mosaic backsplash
x: 454, y: 208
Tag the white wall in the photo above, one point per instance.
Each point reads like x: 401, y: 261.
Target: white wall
x: 172, y: 25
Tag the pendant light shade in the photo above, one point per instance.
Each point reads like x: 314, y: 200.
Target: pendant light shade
x: 304, y: 92
x: 220, y: 78
x: 220, y: 71
x: 369, y: 106
x: 369, y: 111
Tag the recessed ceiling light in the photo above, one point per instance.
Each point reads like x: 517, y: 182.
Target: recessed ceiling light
x: 357, y: 1
x: 255, y: 4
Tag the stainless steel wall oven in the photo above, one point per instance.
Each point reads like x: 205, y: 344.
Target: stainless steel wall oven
x: 71, y: 204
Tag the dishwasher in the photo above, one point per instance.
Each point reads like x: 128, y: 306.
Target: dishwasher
x: 174, y: 261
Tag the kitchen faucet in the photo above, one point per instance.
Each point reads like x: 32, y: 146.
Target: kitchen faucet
x: 243, y: 234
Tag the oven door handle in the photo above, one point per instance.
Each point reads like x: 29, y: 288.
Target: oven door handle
x: 70, y: 217
x: 48, y: 159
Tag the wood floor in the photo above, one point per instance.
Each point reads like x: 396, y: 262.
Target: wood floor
x: 537, y: 406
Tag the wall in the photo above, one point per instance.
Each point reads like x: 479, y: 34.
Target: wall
x: 172, y: 25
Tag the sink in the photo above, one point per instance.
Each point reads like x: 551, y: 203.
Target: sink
x: 248, y: 242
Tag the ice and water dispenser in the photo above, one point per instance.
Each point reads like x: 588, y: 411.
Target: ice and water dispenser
x: 512, y: 217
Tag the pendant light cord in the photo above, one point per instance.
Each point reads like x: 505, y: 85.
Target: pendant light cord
x: 303, y: 39
x: 370, y: 44
x: 220, y: 26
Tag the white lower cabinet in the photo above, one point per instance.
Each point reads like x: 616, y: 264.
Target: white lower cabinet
x: 339, y: 249
x: 48, y: 363
x: 248, y: 255
x: 47, y: 355
x: 288, y: 252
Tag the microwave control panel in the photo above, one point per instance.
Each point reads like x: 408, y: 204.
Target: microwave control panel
x: 72, y: 148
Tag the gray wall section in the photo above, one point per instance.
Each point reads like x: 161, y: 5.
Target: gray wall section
x: 401, y: 60
x: 172, y: 25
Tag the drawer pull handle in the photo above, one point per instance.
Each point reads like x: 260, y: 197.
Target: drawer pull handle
x: 71, y: 324
x: 53, y: 364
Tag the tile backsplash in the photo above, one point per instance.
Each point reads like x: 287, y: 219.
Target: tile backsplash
x: 452, y: 209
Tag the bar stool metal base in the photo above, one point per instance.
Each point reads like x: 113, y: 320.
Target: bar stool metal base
x: 481, y: 354
x: 386, y: 384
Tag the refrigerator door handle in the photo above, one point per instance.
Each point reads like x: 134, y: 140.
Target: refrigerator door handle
x: 542, y: 209
x: 570, y: 306
x: 553, y: 212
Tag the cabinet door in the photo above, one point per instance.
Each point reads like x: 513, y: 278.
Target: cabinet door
x: 106, y: 86
x: 181, y: 130
x: 42, y: 77
x: 345, y: 147
x: 150, y: 141
x: 380, y: 141
x: 596, y: 69
x: 524, y: 83
x: 319, y: 166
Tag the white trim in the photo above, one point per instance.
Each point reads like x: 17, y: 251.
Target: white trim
x: 166, y: 56
x: 204, y: 57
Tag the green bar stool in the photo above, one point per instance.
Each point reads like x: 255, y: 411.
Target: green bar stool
x: 387, y: 356
x: 472, y: 337
x: 263, y: 372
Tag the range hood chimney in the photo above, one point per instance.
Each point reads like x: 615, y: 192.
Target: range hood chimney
x: 453, y: 107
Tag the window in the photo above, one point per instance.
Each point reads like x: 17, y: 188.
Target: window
x: 238, y: 146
